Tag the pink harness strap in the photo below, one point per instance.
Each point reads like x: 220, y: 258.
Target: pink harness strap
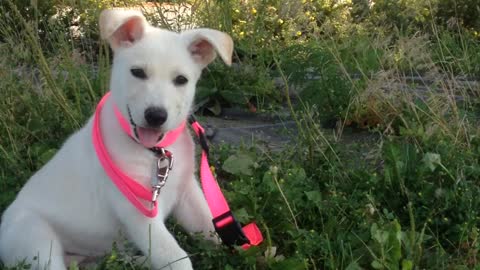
x: 222, y: 216
x: 225, y: 224
x: 130, y: 188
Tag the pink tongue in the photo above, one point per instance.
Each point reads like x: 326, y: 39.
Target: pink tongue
x: 148, y: 137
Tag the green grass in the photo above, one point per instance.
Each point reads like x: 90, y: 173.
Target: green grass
x: 393, y: 185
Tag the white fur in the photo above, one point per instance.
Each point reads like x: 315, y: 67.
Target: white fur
x: 71, y: 206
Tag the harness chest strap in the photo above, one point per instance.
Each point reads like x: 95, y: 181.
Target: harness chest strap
x: 130, y: 188
x: 225, y: 224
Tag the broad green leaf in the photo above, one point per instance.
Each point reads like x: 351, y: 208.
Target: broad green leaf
x: 431, y: 160
x: 47, y: 155
x: 394, y: 243
x: 353, y: 266
x: 314, y: 196
x: 407, y: 265
x: 241, y: 215
x: 377, y: 265
x: 234, y: 96
x: 378, y: 235
x: 204, y: 92
x: 239, y: 164
x: 216, y: 108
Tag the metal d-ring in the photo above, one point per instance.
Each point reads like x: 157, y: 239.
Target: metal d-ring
x: 162, y: 171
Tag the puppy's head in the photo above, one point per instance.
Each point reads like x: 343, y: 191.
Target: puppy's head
x: 155, y: 71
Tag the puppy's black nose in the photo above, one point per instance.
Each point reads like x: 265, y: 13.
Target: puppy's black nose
x: 155, y: 116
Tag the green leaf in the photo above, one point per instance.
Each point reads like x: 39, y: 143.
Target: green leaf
x: 353, y: 266
x: 216, y: 108
x: 241, y: 215
x: 73, y: 266
x: 431, y: 160
x: 268, y: 181
x: 407, y: 265
x: 289, y: 264
x: 378, y: 235
x: 394, y: 243
x: 234, y: 96
x: 36, y: 125
x: 314, y: 196
x: 239, y: 164
x: 47, y: 155
x: 204, y: 92
x: 228, y: 267
x: 377, y: 265
x: 296, y: 174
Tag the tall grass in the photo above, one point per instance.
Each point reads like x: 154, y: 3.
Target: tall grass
x: 48, y: 89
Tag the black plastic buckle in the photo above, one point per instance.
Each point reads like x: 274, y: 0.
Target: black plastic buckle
x: 202, y: 139
x: 232, y: 232
x: 192, y: 119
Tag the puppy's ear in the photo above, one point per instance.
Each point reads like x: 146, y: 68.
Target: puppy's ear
x: 122, y: 28
x: 203, y: 44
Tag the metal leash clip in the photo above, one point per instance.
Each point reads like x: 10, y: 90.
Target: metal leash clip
x: 164, y: 165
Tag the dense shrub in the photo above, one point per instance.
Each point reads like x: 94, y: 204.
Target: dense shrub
x: 465, y: 13
x: 319, y: 81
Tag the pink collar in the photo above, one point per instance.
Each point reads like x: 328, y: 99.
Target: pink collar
x: 225, y: 224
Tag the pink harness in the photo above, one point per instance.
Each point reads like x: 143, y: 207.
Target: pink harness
x: 224, y: 222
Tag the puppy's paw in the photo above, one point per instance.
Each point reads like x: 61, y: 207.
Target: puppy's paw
x: 213, y: 237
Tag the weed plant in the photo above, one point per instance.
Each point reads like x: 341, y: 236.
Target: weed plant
x: 401, y: 193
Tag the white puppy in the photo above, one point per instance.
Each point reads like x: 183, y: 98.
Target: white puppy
x: 71, y: 206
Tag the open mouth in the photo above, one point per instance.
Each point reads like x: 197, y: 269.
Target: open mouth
x: 148, y: 137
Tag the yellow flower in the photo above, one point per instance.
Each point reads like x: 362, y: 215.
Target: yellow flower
x: 304, y: 1
x: 237, y: 11
x: 254, y: 11
x: 312, y: 18
x: 280, y: 21
x: 242, y: 21
x: 299, y: 33
x: 307, y: 13
x: 242, y: 34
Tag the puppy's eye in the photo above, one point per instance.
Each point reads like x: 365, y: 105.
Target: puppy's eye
x: 180, y: 80
x: 138, y: 73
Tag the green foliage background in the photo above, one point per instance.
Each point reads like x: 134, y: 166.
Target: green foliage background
x: 393, y: 185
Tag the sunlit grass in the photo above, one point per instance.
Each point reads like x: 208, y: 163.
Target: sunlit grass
x: 392, y: 184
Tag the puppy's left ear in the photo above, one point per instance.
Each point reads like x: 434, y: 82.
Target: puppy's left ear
x: 204, y: 44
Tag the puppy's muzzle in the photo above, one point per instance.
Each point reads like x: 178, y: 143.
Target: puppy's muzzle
x: 155, y: 116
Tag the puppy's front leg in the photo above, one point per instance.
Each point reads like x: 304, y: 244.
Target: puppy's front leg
x: 192, y: 212
x: 156, y: 241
